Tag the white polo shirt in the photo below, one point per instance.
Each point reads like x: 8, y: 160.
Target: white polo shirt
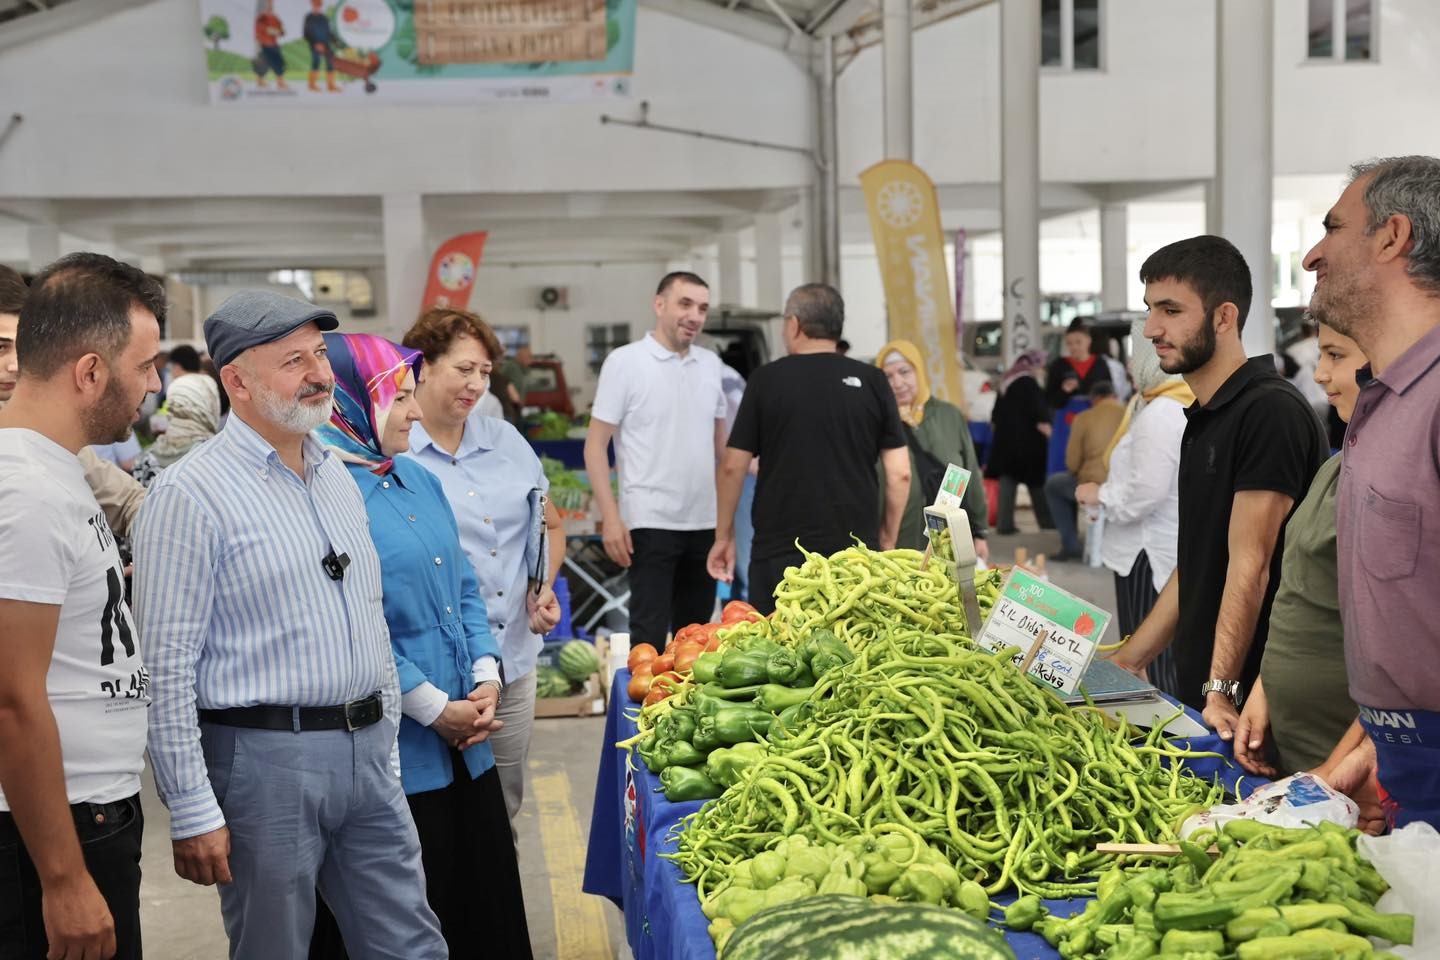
x: 664, y: 407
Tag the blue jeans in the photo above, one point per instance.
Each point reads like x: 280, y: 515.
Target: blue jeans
x: 1060, y: 495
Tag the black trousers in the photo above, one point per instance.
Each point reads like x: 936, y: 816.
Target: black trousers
x: 765, y: 576
x: 1135, y: 596
x: 472, y: 875
x: 669, y: 585
x: 110, y: 842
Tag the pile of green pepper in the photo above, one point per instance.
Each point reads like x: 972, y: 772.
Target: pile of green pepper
x: 745, y: 691
x: 1273, y: 894
x: 924, y: 736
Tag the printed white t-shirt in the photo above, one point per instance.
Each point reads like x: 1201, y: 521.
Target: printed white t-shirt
x: 56, y: 548
x: 664, y: 407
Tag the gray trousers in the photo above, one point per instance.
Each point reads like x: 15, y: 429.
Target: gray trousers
x: 512, y: 743
x: 318, y: 809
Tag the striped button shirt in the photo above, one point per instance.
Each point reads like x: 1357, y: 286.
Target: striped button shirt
x: 235, y: 609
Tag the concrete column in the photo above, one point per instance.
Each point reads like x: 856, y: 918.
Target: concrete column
x: 1244, y: 144
x: 1020, y: 173
x: 769, y: 275
x: 899, y: 80
x: 407, y: 253
x: 44, y: 243
x: 728, y: 289
x: 1114, y: 250
x: 829, y: 271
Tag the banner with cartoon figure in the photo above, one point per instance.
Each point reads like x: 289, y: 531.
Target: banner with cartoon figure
x: 351, y: 51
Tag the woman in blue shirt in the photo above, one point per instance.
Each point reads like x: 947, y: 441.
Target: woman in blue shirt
x: 446, y: 656
x: 496, y: 487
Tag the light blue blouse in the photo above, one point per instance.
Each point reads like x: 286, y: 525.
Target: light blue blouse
x: 438, y: 623
x: 494, y: 483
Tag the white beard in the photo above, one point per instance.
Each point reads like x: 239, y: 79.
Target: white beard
x: 291, y: 415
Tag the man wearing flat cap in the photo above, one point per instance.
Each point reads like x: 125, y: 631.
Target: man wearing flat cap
x: 275, y: 697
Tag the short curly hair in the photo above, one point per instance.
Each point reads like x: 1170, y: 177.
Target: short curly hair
x: 438, y: 328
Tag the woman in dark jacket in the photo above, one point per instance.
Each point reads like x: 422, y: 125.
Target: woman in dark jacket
x: 1075, y: 373
x: 1021, y: 422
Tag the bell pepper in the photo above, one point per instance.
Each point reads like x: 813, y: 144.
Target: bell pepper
x: 783, y: 666
x: 795, y: 888
x: 685, y: 783
x: 789, y: 720
x: 920, y: 883
x: 684, y: 754
x: 1133, y: 947
x: 875, y: 856
x: 767, y: 869
x: 757, y: 644
x: 974, y: 900
x: 707, y: 736
x: 811, y: 644
x: 742, y: 904
x: 739, y: 724
x: 1110, y: 881
x: 1314, y: 877
x: 721, y: 930
x: 1024, y: 913
x: 1193, y: 941
x: 843, y: 877
x: 776, y: 698
x: 811, y: 863
x: 1251, y: 923
x: 740, y: 875
x: 740, y: 668
x: 716, y: 696
x: 1395, y: 927
x: 705, y: 665
x: 725, y: 764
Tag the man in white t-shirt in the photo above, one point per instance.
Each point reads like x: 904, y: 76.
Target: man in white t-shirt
x: 73, y: 694
x: 661, y: 400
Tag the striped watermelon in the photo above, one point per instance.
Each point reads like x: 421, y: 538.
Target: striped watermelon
x: 577, y: 660
x: 853, y: 928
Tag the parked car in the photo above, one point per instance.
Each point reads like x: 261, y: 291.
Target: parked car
x: 545, y: 387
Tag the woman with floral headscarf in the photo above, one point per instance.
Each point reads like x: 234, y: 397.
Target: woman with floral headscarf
x: 446, y: 656
x: 1022, y: 431
x: 938, y: 435
x: 192, y: 408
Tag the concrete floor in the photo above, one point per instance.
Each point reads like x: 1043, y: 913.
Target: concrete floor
x: 182, y: 921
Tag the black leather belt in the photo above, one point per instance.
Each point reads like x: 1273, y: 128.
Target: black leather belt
x: 355, y: 715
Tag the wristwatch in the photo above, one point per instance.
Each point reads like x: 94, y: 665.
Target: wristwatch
x: 1231, y: 689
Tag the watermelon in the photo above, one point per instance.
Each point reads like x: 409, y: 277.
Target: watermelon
x: 550, y: 682
x: 827, y: 927
x: 577, y: 660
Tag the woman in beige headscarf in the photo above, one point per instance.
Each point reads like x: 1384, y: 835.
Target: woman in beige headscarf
x: 192, y: 407
x: 938, y: 434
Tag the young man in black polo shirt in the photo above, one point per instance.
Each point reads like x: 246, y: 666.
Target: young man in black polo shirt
x: 818, y: 421
x: 1252, y: 445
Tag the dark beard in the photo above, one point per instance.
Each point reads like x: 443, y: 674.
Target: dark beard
x: 1196, y: 352
x: 109, y: 421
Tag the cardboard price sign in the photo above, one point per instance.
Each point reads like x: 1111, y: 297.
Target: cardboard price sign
x: 1073, y: 628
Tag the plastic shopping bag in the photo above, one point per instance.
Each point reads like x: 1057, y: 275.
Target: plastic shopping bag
x: 1409, y: 860
x: 1293, y: 802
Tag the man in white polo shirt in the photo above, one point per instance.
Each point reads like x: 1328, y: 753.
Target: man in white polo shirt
x: 660, y: 399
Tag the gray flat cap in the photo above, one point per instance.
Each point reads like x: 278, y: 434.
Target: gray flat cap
x: 252, y: 317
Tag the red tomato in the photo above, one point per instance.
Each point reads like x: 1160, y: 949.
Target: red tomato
x: 663, y: 663
x: 686, y: 633
x: 641, y: 653
x: 639, y: 686
x: 686, y: 654
x: 738, y: 611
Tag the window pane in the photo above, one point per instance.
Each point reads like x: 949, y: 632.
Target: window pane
x: 1087, y: 34
x: 1358, y: 25
x: 1322, y: 29
x: 1050, y: 33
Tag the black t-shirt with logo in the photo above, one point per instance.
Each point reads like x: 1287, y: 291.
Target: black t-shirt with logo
x: 817, y: 422
x: 1256, y: 433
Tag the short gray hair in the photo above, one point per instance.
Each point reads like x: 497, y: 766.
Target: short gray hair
x: 819, y: 309
x: 1410, y: 187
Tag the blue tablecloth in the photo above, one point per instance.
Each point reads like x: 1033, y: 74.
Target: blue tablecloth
x: 630, y: 826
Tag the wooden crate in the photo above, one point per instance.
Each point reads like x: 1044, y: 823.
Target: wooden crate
x: 509, y: 31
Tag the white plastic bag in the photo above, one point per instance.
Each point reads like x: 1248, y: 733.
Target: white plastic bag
x: 1293, y: 802
x: 1409, y: 860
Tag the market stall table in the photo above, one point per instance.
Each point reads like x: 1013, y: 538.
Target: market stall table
x: 630, y: 827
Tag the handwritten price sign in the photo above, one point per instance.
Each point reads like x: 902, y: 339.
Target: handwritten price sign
x: 1073, y: 629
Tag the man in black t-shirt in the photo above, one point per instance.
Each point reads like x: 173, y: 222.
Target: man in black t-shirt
x: 818, y: 421
x: 1252, y: 445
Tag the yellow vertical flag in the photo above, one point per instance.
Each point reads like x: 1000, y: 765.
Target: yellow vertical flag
x: 905, y: 222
